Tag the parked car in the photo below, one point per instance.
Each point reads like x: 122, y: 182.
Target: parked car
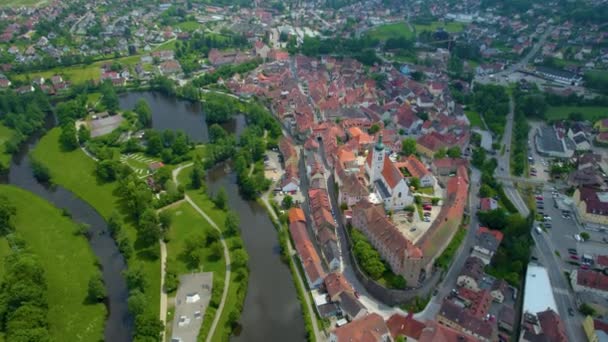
x: 540, y: 207
x: 571, y: 311
x: 547, y: 218
x: 573, y: 257
x: 578, y: 238
x: 426, y: 208
x: 572, y: 251
x: 540, y: 198
x: 427, y: 214
x: 584, y: 267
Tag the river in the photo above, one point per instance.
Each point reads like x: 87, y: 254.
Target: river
x: 119, y: 323
x: 271, y: 311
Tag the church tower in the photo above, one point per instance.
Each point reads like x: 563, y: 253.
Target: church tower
x: 377, y: 160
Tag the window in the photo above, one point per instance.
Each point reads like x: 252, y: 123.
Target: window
x: 399, y: 195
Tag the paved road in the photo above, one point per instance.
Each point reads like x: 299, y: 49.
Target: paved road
x: 163, y: 293
x: 543, y: 248
x: 450, y: 278
x: 220, y: 308
x: 290, y: 251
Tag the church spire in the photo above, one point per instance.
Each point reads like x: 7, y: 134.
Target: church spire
x: 379, y: 144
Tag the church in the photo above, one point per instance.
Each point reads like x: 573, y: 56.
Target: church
x: 386, y: 179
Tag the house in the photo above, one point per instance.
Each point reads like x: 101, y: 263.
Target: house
x: 486, y: 244
x: 170, y: 67
x: 261, y: 49
x: 477, y: 303
x: 499, y: 290
x: 336, y: 284
x: 452, y: 315
x: 591, y: 281
x: 487, y: 204
x: 435, y: 332
x: 471, y: 274
x: 406, y: 326
x: 351, y: 308
x: 559, y: 76
x: 403, y: 257
x: 506, y: 318
x: 311, y: 263
x: 352, y: 190
x: 447, y: 166
x: 5, y: 83
x: 320, y: 208
x: 368, y: 328
x: 418, y: 170
x: 386, y: 179
x: 552, y: 326
x: 591, y: 205
x: 290, y: 182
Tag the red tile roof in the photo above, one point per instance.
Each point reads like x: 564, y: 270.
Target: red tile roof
x: 592, y: 279
x: 602, y: 260
x: 336, y: 283
x: 435, y: 332
x: 391, y: 173
x: 593, y: 202
x: 415, y: 167
x: 370, y: 328
x: 296, y: 214
x: 306, y: 251
x: 497, y: 234
x: 406, y: 326
x: 552, y: 326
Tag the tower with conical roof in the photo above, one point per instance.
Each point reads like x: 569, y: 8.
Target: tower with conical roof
x: 377, y: 160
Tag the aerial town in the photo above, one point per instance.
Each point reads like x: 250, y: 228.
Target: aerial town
x: 338, y: 170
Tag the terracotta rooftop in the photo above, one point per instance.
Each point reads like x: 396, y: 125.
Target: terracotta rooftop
x: 296, y: 214
x: 596, y: 201
x: 552, y: 326
x: 336, y: 283
x: 592, y: 279
x: 454, y: 313
x: 370, y: 328
x: 407, y: 326
x: 306, y: 251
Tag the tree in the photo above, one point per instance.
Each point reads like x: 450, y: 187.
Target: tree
x: 231, y: 224
x: 137, y: 303
x: 192, y: 250
x: 408, y: 146
x: 486, y: 191
x: 83, y: 134
x: 494, y: 219
x: 479, y: 157
x: 240, y: 258
x: 217, y: 133
x: 287, y: 202
x: 68, y: 139
x: 217, y: 250
x: 374, y: 129
x: 148, y: 327
x: 440, y: 154
x: 585, y: 236
x: 165, y: 218
x: 221, y: 199
x: 148, y: 229
x: 155, y: 144
x: 162, y: 175
x: 7, y: 211
x: 144, y: 113
x: 135, y: 277
x: 198, y: 172
x: 415, y: 182
x: 454, y: 152
x: 40, y: 171
x: 96, y: 289
x: 587, y: 310
x: 109, y: 98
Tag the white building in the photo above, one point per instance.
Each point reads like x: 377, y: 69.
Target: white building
x: 386, y: 179
x: 538, y: 294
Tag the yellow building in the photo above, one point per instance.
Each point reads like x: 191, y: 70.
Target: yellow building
x: 591, y: 205
x: 589, y: 328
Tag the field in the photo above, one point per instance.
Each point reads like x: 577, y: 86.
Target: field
x: 5, y: 135
x: 218, y: 216
x: 474, y: 118
x: 68, y: 262
x: 74, y: 171
x: 79, y: 73
x: 138, y: 162
x: 592, y: 113
x: 394, y: 30
x: 188, y: 26
x: 13, y: 3
x: 451, y: 27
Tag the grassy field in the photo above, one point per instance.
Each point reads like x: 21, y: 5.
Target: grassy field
x: 189, y: 26
x: 74, y: 171
x: 591, y: 113
x: 474, y: 118
x: 218, y: 216
x: 68, y: 261
x: 5, y: 135
x: 186, y: 224
x: 451, y: 27
x: 28, y: 3
x: 394, y: 30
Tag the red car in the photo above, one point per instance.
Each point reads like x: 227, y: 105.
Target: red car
x: 585, y: 267
x: 540, y: 198
x: 574, y: 257
x: 427, y: 208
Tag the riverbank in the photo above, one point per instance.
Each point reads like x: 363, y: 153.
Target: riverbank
x: 68, y: 262
x: 75, y: 172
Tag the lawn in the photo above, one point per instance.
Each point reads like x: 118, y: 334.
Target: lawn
x: 591, y: 113
x: 188, y: 26
x: 187, y: 223
x: 394, y: 30
x: 12, y: 3
x: 451, y: 27
x: 5, y: 135
x: 68, y: 261
x: 474, y: 118
x: 218, y: 216
x: 74, y: 171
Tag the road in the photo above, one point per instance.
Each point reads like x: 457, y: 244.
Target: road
x: 449, y: 281
x: 163, y: 293
x: 220, y: 308
x: 543, y: 247
x: 519, y: 65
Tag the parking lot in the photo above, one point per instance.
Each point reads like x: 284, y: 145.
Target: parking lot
x: 538, y: 163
